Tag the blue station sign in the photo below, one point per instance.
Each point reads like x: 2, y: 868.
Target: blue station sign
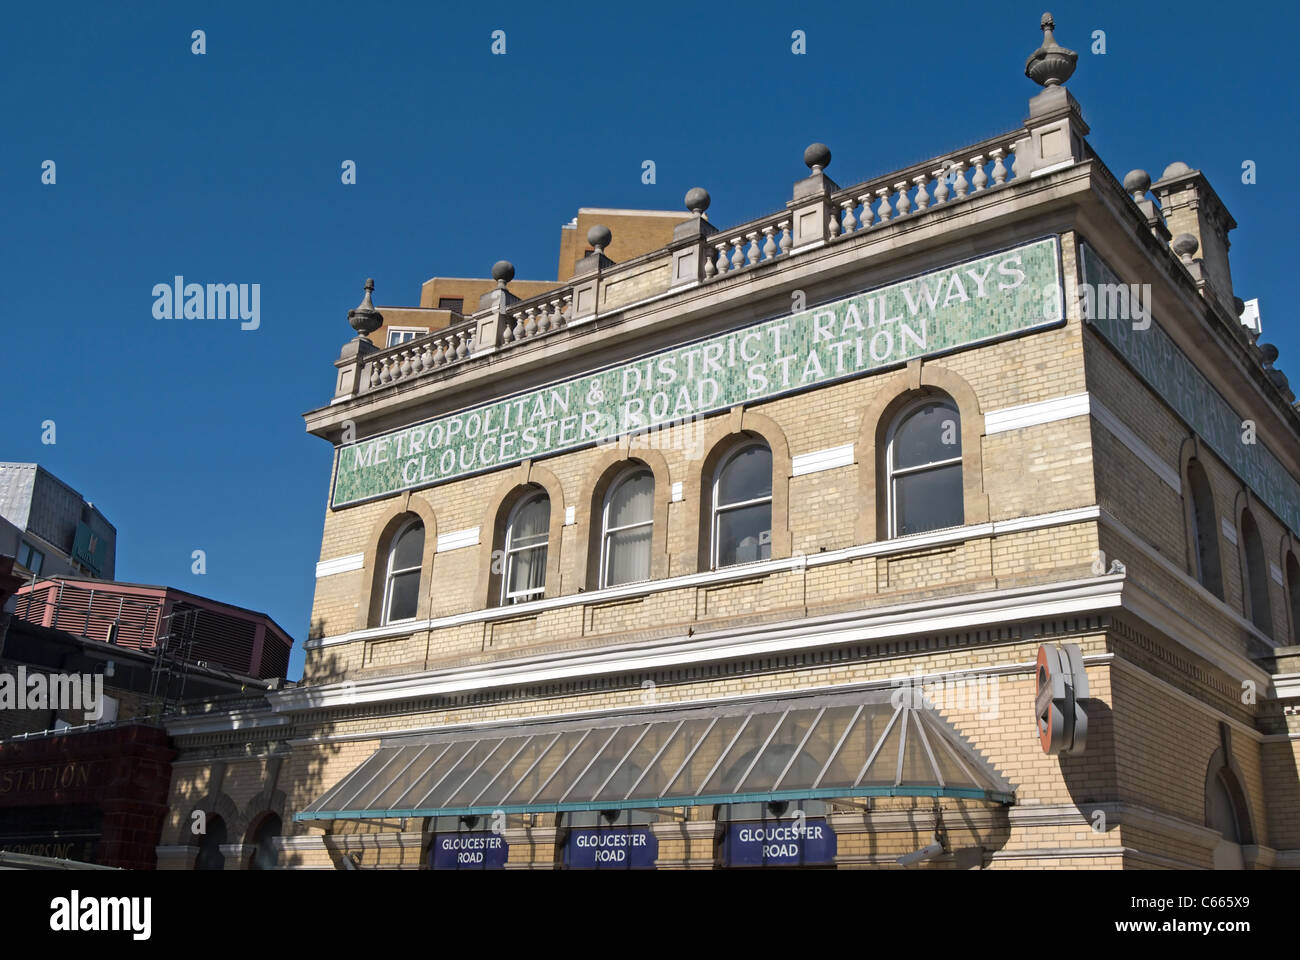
x: 778, y: 844
x: 611, y: 848
x: 469, y: 851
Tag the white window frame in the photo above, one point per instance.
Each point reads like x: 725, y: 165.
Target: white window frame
x: 719, y: 509
x: 891, y: 499
x: 415, y: 332
x: 391, y: 573
x: 606, y: 531
x: 509, y: 549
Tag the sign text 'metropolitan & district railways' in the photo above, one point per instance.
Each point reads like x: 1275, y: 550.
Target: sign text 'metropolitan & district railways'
x: 995, y: 296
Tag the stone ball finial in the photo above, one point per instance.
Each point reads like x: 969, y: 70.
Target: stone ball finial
x: 364, y: 318
x: 1186, y: 245
x: 1239, y: 305
x: 599, y: 237
x: 1051, y: 64
x: 1267, y: 354
x: 817, y: 157
x: 503, y: 271
x: 1137, y: 183
x: 697, y: 200
x: 1175, y: 169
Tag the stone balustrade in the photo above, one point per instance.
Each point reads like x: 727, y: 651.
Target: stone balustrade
x: 749, y: 244
x: 435, y: 350
x: 924, y: 186
x: 538, y: 316
x: 867, y: 206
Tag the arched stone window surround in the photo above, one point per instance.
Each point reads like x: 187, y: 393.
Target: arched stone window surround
x: 1191, y: 459
x: 405, y: 508
x: 514, y: 485
x: 1255, y: 587
x: 894, y: 394
x: 739, y: 426
x: 605, y: 471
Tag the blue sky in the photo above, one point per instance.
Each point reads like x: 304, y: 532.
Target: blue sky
x: 225, y: 168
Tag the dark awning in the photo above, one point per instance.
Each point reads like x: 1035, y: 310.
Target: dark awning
x: 871, y: 743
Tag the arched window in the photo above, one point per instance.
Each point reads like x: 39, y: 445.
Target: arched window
x: 1205, y: 530
x: 210, y: 856
x: 1256, y: 572
x: 265, y: 854
x: 1293, y: 595
x: 742, y: 506
x: 525, y: 544
x: 923, y: 466
x: 402, y: 581
x: 627, y: 527
x: 1226, y: 813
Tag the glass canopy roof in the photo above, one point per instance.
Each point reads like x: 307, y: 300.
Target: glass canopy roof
x: 872, y: 743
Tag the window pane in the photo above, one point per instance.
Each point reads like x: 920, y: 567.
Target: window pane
x: 408, y: 551
x: 572, y: 767
x: 404, y: 593
x: 633, y: 500
x: 745, y: 535
x: 527, y: 571
x: 920, y: 437
x: 629, y: 556
x: 778, y: 752
x: 740, y: 755
x: 747, y: 476
x: 929, y: 500
x: 531, y: 523
x: 670, y: 761
x: 607, y: 763
x: 539, y: 774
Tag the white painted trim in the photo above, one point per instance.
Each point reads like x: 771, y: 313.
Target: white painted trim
x: 1287, y: 687
x: 1276, y: 573
x: 857, y: 686
x: 1229, y: 531
x: 1032, y: 414
x: 744, y: 571
x: 1137, y: 446
x: 1216, y: 650
x: 1244, y: 729
x: 947, y: 614
x: 805, y: 248
x: 817, y: 460
x: 1061, y: 517
x: 353, y: 561
x: 677, y: 495
x: 457, y: 539
x: 1044, y: 171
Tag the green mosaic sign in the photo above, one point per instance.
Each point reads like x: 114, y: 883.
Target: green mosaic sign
x: 989, y: 298
x: 1168, y: 372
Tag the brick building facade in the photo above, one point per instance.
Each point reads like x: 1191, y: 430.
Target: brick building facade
x: 1015, y: 408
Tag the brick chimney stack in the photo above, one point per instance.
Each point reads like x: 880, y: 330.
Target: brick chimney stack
x: 1190, y: 205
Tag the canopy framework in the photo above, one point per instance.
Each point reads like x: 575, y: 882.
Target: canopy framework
x: 869, y: 743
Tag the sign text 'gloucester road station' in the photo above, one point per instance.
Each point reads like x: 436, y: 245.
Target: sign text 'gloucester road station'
x: 994, y: 296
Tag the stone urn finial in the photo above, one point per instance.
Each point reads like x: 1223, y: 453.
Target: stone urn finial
x: 1051, y: 64
x: 697, y: 200
x: 817, y: 157
x: 599, y: 237
x: 364, y: 318
x: 503, y: 271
